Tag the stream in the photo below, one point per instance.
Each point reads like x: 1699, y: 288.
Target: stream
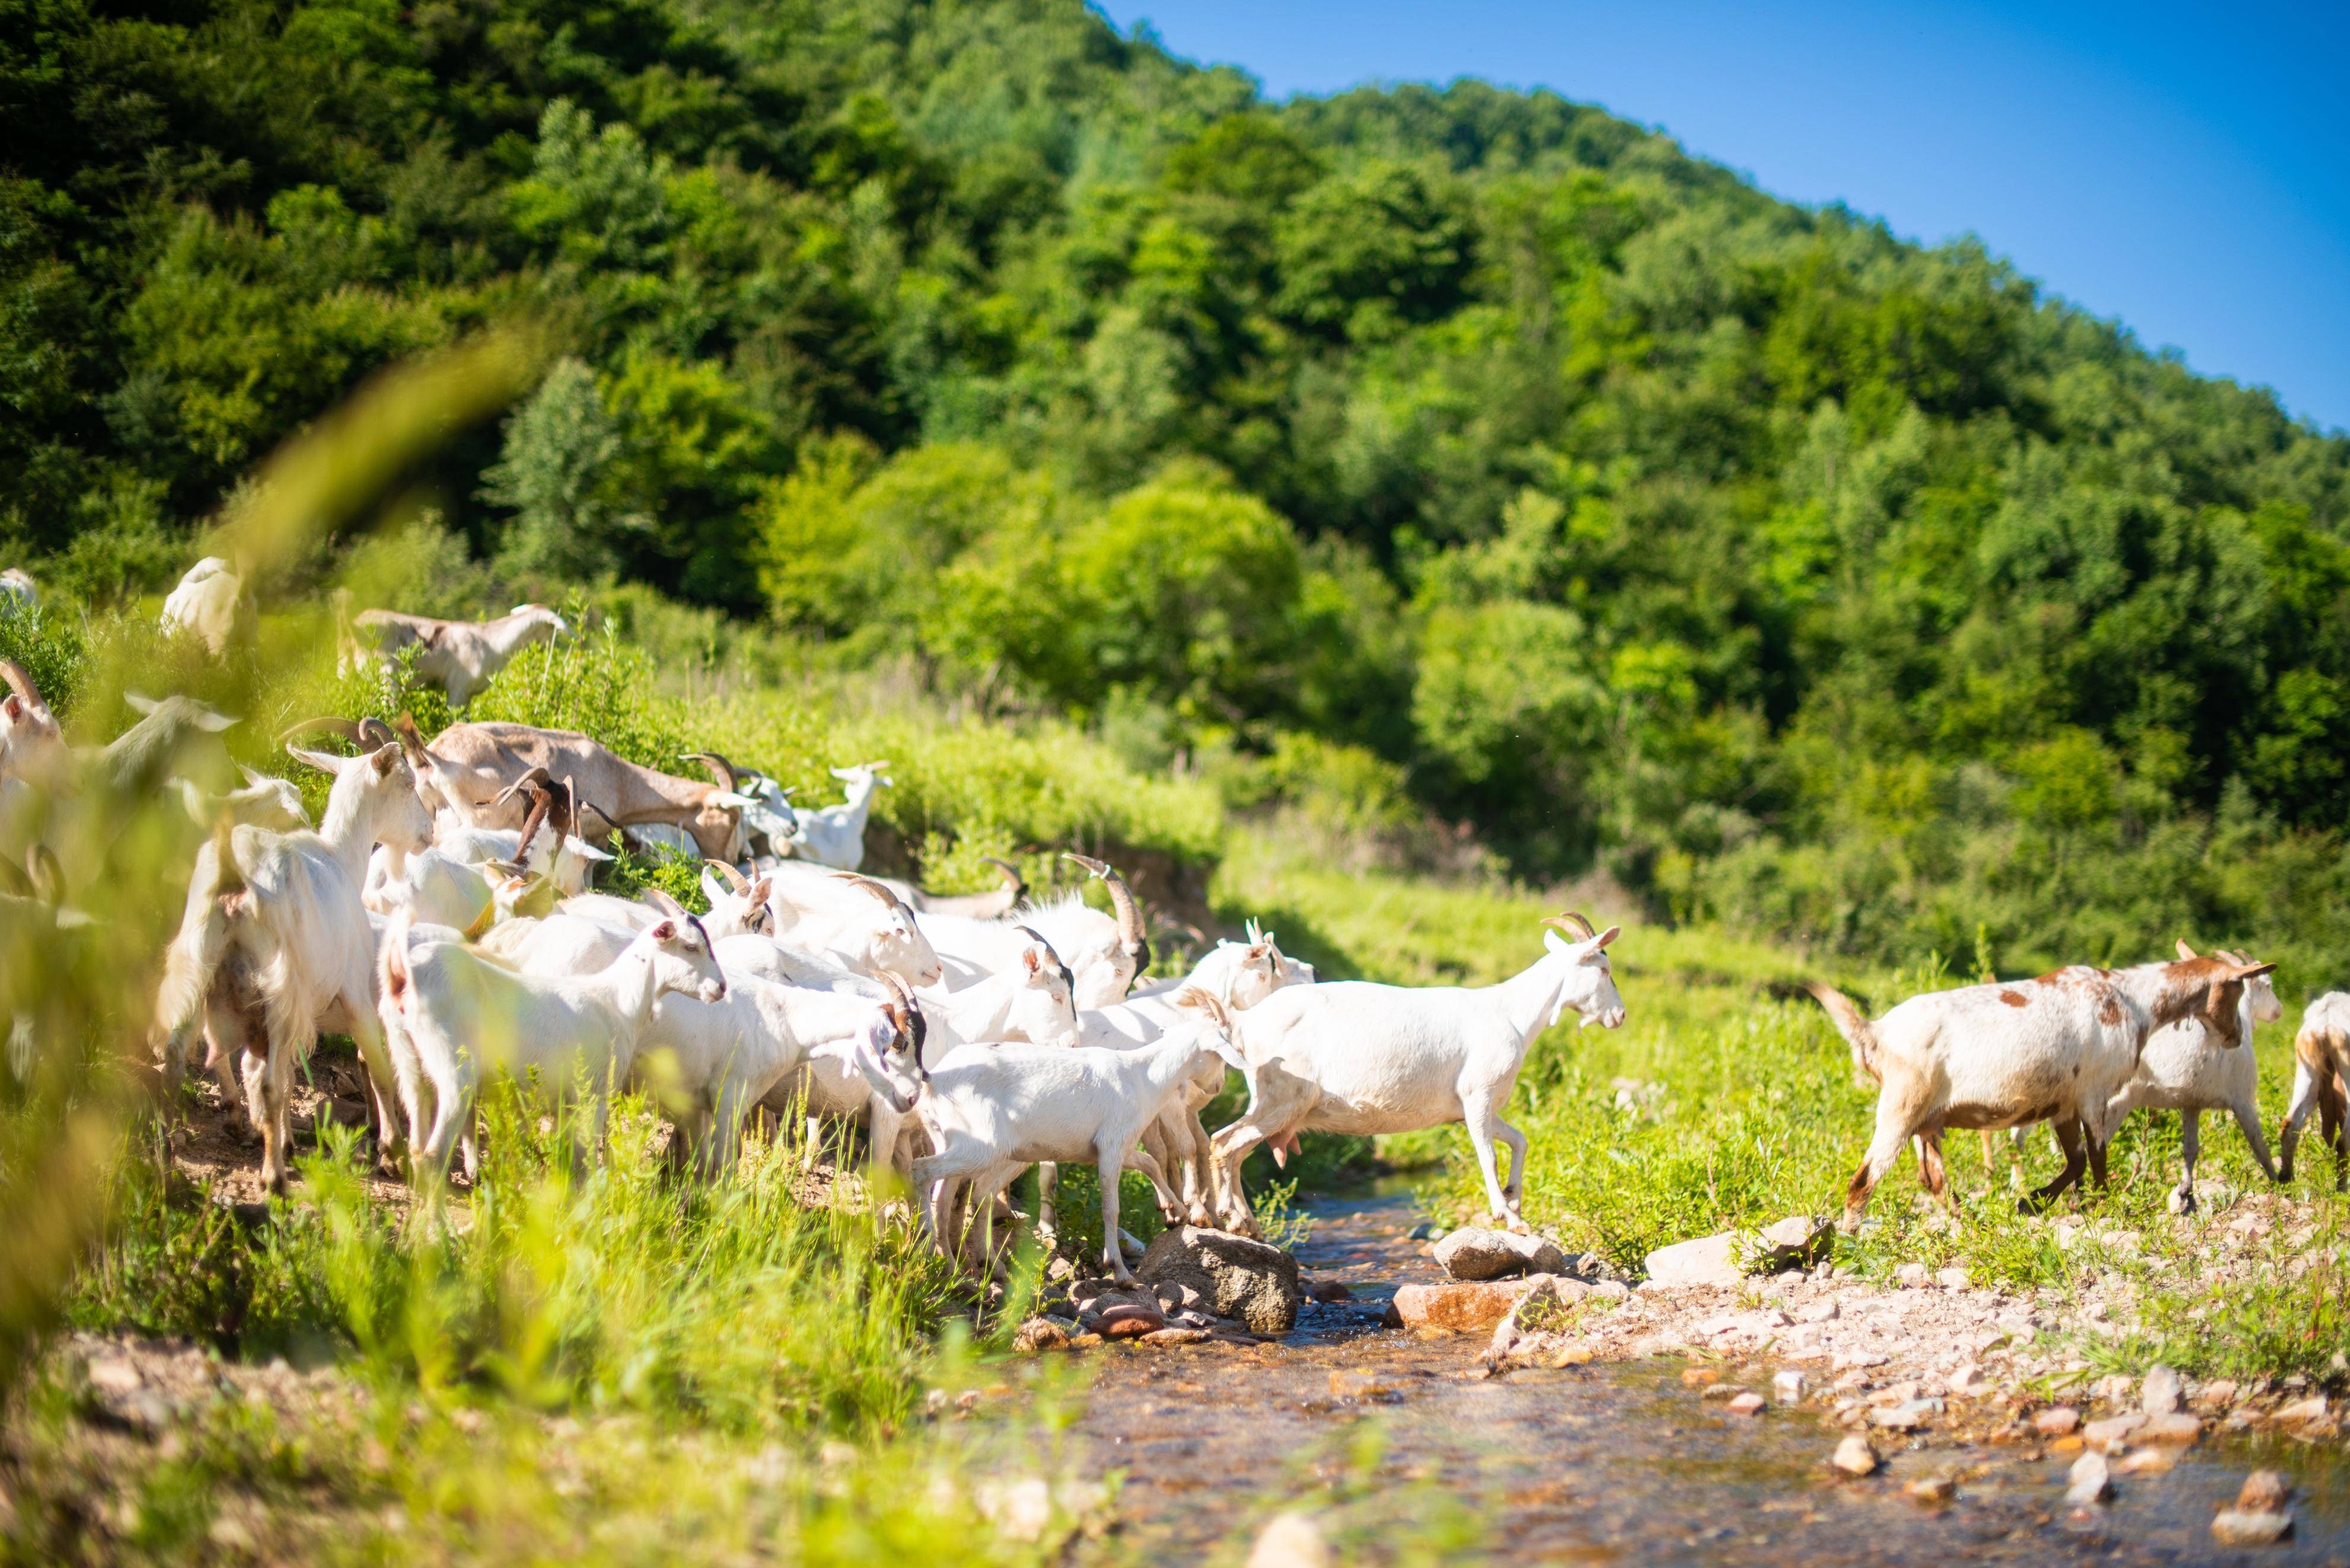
x: 1408, y: 1453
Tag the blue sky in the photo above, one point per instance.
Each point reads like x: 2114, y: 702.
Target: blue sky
x: 2183, y: 168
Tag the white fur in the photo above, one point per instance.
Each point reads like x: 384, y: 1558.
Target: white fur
x: 835, y: 835
x: 1354, y: 1057
x: 205, y: 604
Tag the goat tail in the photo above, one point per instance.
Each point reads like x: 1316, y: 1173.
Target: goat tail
x: 1853, y: 1024
x: 217, y: 897
x: 395, y: 981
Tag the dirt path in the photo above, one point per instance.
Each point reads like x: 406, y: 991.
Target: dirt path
x: 1401, y: 1441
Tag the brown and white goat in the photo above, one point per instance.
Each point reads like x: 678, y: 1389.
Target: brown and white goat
x: 2057, y: 1049
x: 2321, y: 1083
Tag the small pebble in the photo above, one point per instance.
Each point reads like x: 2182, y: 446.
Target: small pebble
x: 2060, y: 1421
x: 1745, y: 1405
x: 2161, y: 1393
x: 1912, y: 1276
x: 1934, y: 1489
x: 1953, y: 1279
x: 1854, y: 1456
x: 1790, y: 1387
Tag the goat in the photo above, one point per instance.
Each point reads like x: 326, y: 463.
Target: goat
x: 768, y: 819
x: 711, y: 1062
x: 2011, y: 1053
x: 275, y: 933
x: 1027, y: 1003
x: 1354, y: 1058
x: 833, y: 835
x: 465, y: 1015
x: 210, y: 605
x: 2321, y: 1082
x: 2182, y: 1069
x: 994, y: 1110
x: 472, y: 768
x: 1238, y: 974
x: 32, y: 743
x: 556, y: 853
x: 1105, y: 954
x: 856, y: 920
x: 460, y: 656
x: 16, y: 590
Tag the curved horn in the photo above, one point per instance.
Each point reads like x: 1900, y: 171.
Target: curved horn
x: 349, y: 729
x: 1130, y: 934
x: 410, y: 740
x: 13, y: 880
x: 1012, y: 877
x: 915, y: 1027
x: 48, y: 876
x: 720, y: 769
x: 1573, y: 924
x: 541, y: 799
x: 20, y: 684
x: 534, y: 781
x: 734, y: 880
x: 880, y: 890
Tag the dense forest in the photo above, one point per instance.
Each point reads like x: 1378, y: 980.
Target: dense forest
x: 1422, y: 458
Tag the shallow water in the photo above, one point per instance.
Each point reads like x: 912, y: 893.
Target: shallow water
x: 1594, y: 1463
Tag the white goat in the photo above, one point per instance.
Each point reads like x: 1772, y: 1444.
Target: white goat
x: 2184, y: 1069
x: 460, y: 656
x: 2059, y: 1048
x: 709, y: 1063
x: 1354, y: 1058
x: 16, y: 590
x: 992, y: 1111
x: 1238, y: 974
x: 465, y: 1015
x: 209, y: 605
x: 2321, y: 1083
x: 33, y: 747
x: 856, y: 921
x: 1105, y: 954
x: 275, y: 935
x: 835, y: 835
x: 1027, y: 1003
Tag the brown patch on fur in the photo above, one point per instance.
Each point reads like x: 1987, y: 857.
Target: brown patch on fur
x: 2109, y: 1012
x: 2015, y: 999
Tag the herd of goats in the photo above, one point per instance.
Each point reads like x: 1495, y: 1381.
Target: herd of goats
x: 441, y: 913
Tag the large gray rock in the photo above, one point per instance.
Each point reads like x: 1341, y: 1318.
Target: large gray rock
x: 1798, y: 1242
x: 1476, y: 1253
x: 1707, y: 1260
x: 1243, y: 1278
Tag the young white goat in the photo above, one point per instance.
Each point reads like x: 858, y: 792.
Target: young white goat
x: 994, y: 1110
x: 33, y: 748
x: 466, y: 1016
x: 274, y: 803
x: 2060, y: 1048
x: 835, y: 835
x: 1354, y: 1058
x: 461, y: 656
x: 16, y: 590
x: 274, y: 934
x: 1027, y: 1003
x: 2321, y: 1083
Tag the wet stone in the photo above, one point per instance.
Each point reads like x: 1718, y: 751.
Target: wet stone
x: 1854, y: 1456
x: 1745, y: 1404
x: 2237, y: 1528
x: 1241, y: 1278
x: 2091, y: 1482
x: 1789, y: 1386
x: 2061, y: 1421
x: 1932, y: 1491
x: 1457, y: 1308
x: 2263, y: 1492
x: 1475, y: 1253
x: 2160, y: 1392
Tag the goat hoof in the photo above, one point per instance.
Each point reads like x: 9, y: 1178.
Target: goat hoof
x: 2182, y: 1201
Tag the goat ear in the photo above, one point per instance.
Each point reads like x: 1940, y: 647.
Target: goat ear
x: 663, y: 932
x: 2253, y: 972
x: 1609, y: 935
x: 1032, y: 961
x: 11, y: 706
x: 2185, y: 952
x: 324, y: 762
x: 383, y: 759
x: 140, y: 705
x: 211, y: 720
x: 1554, y: 943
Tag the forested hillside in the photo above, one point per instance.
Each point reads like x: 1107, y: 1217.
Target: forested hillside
x: 1424, y: 457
